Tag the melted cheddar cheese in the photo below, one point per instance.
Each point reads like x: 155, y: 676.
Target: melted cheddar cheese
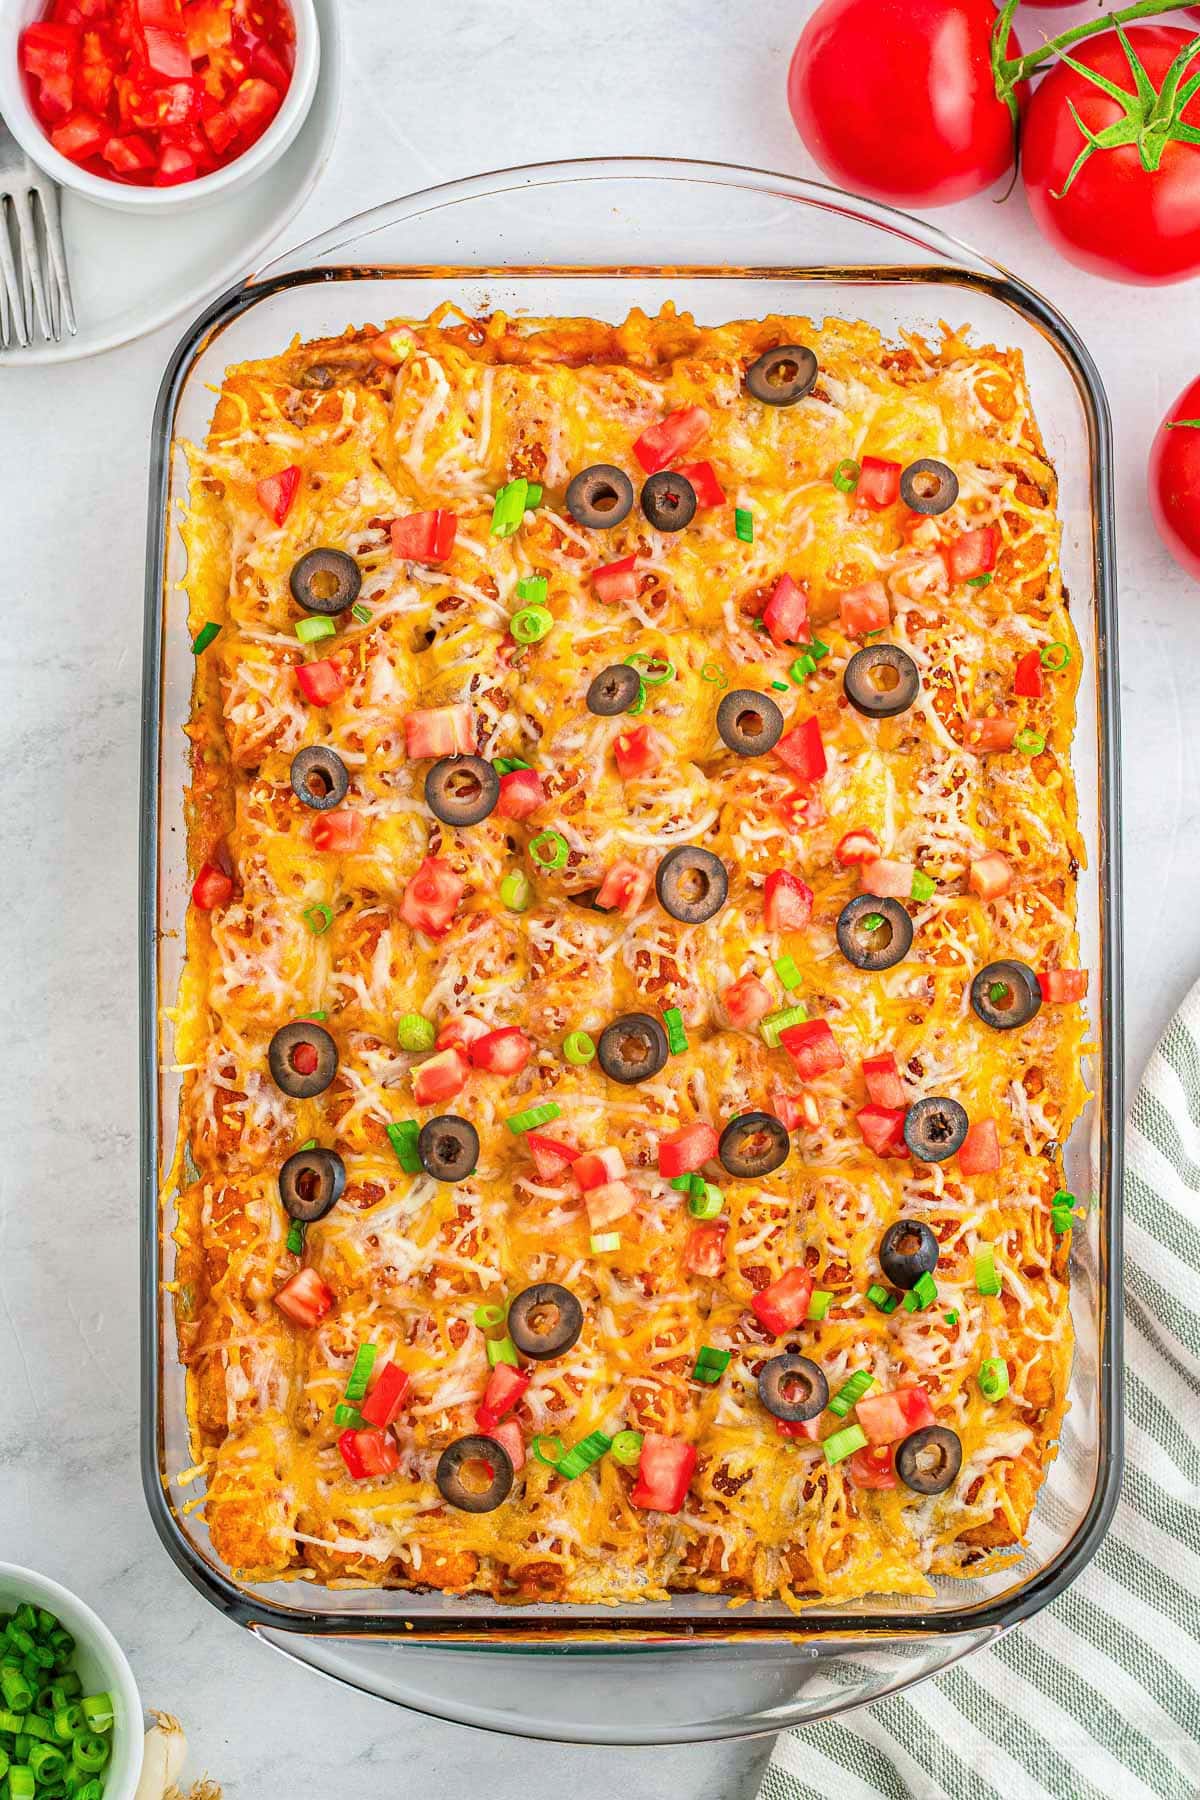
x: 473, y: 405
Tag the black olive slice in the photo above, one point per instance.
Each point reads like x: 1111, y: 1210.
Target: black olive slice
x: 907, y: 1250
x: 545, y: 1320
x: 632, y: 1048
x: 928, y: 1460
x: 935, y: 1128
x: 325, y: 581
x: 303, y: 1059
x: 928, y: 487
x: 781, y: 376
x: 881, y: 681
x: 600, y: 497
x: 755, y: 1143
x: 613, y: 691
x: 1006, y: 994
x: 874, y: 934
x: 749, y: 723
x: 691, y: 884
x: 319, y: 777
x: 793, y: 1387
x: 462, y: 790
x: 449, y: 1147
x: 585, y: 898
x: 669, y: 500
x: 475, y: 1474
x: 311, y: 1183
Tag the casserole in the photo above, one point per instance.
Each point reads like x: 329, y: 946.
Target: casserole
x: 402, y: 264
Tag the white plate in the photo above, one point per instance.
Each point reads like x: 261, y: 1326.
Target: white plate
x: 131, y: 274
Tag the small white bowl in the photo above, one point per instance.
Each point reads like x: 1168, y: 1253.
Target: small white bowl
x: 19, y: 116
x: 101, y: 1664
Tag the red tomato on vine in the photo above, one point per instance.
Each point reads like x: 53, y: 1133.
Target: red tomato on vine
x: 1175, y: 480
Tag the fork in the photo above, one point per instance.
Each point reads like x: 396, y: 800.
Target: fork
x: 35, y: 288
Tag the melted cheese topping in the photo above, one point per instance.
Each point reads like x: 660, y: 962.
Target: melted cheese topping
x: 476, y: 404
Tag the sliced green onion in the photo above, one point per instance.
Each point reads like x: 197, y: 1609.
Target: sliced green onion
x: 639, y: 705
x: 993, y: 1378
x: 489, y: 1316
x: 851, y: 1391
x: 295, y: 1237
x: 308, y: 1144
x: 362, y: 613
x: 578, y: 1048
x: 89, y: 1753
x: 1056, y: 656
x: 1062, y: 1219
x: 360, y: 1374
x: 531, y: 624
x: 780, y: 686
x: 345, y: 1414
x: 533, y: 1116
x: 512, y: 502
x: 775, y: 1022
x: 803, y: 667
x: 921, y: 1294
x: 787, y: 971
x: 414, y: 1032
x: 987, y: 1281
x: 998, y: 992
x: 627, y: 1448
x: 881, y: 1299
x: 654, y: 670
x: 319, y: 1017
x: 743, y: 524
x: 710, y: 1365
x: 548, y: 1450
x: 516, y: 891
x: 952, y: 1316
x: 47, y: 1762
x: 817, y: 649
x: 581, y: 1456
x: 318, y: 917
x: 709, y: 1203
x: 22, y: 1782
x: 556, y: 849
x: 18, y: 1695
x: 844, y: 1443
x: 715, y: 673
x: 873, y: 921
x: 845, y: 476
x: 99, y: 1712
x: 402, y: 1136
x: 980, y: 581
x: 1029, y: 743
x: 820, y: 1302
x: 501, y: 1350
x: 204, y: 637
x: 677, y: 1040
x: 1063, y: 1198
x: 923, y: 886
x: 310, y: 631
x: 504, y: 765
x: 602, y: 1242
x: 533, y: 589
x: 690, y: 1183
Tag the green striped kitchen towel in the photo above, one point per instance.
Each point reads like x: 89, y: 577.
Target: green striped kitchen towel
x: 1098, y: 1697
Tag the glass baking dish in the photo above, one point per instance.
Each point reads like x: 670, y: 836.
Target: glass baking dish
x: 596, y: 238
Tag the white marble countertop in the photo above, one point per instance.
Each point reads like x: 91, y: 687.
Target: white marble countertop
x: 433, y: 91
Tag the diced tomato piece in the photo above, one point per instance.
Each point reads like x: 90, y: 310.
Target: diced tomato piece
x: 220, y: 130
x: 440, y: 1077
x: 802, y: 750
x: 504, y: 1388
x: 857, y: 847
x: 972, y: 554
x: 56, y: 96
x: 96, y: 81
x: 1060, y: 987
x: 385, y: 1395
x: 979, y: 1152
x: 882, y: 1128
x: 502, y: 1052
x: 865, y: 609
x: 795, y: 1110
x: 511, y: 1438
x: 616, y: 581
x: 704, y: 1251
x: 687, y: 1149
x: 801, y: 808
x: 521, y: 793
x: 167, y: 15
x: 812, y: 1047
x: 989, y: 734
x: 305, y: 1298
x: 887, y: 879
x: 890, y: 1416
x: 209, y: 26
x: 252, y: 107
x: 991, y: 876
x: 48, y: 49
x: 432, y: 896
x: 638, y: 752
x: 787, y: 901
x: 799, y: 1428
x: 272, y: 68
x: 746, y: 1001
x: 368, y: 1453
x: 662, y: 444
x: 872, y: 1467
x: 1027, y: 680
x: 212, y: 887
x: 167, y: 54
x: 426, y: 537
x: 130, y: 155
x: 440, y: 731
x: 551, y: 1156
x: 783, y: 1305
x: 664, y: 1471
x: 879, y: 482
x: 175, y: 165
x: 276, y: 493
x: 459, y: 1030
x: 79, y: 137
x: 703, y: 478
x: 624, y: 889
x: 322, y: 682
x: 606, y: 1204
x: 595, y: 1167
x: 786, y: 613
x: 343, y: 830
x: 883, y: 1080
